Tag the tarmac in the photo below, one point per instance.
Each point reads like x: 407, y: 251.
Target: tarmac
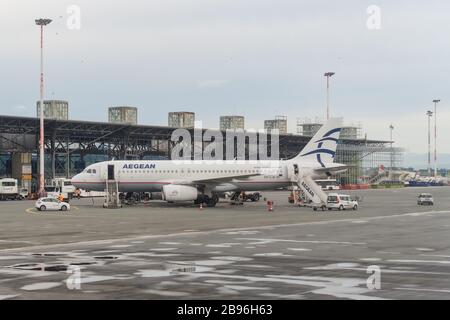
x: 390, y: 248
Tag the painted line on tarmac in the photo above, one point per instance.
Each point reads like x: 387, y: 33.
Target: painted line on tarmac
x: 31, y: 210
x: 198, y: 233
x: 35, y: 211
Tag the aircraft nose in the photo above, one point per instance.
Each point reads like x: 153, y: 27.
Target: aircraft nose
x: 76, y: 179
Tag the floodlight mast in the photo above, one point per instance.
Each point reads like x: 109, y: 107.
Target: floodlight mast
x: 41, y: 191
x: 435, y: 137
x: 429, y: 115
x: 328, y: 75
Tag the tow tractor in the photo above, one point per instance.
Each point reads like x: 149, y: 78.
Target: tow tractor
x: 243, y: 196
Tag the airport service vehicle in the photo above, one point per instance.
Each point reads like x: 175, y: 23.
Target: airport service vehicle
x: 63, y: 186
x: 8, y: 189
x: 425, y: 198
x: 328, y: 184
x: 205, y: 180
x: 51, y: 191
x: 23, y: 193
x: 251, y: 195
x: 50, y: 203
x: 91, y: 194
x: 245, y: 195
x: 322, y: 206
x: 341, y: 202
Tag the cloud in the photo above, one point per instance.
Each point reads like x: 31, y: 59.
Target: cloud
x: 152, y: 54
x: 212, y: 83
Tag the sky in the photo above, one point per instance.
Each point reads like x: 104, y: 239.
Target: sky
x: 256, y: 58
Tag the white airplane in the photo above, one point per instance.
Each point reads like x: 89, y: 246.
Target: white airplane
x: 203, y: 181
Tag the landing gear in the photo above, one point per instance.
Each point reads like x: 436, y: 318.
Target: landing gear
x: 211, y: 201
x: 208, y: 201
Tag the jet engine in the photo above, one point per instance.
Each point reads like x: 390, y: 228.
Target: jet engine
x: 173, y: 192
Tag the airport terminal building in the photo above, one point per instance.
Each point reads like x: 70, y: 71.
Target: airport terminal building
x: 71, y: 145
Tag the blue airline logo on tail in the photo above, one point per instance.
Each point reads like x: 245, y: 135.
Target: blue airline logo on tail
x: 319, y: 151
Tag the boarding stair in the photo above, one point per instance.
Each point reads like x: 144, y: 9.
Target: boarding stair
x: 382, y: 176
x: 112, y: 200
x: 310, y: 188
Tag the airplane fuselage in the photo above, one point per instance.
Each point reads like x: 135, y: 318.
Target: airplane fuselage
x: 151, y: 176
x: 205, y: 180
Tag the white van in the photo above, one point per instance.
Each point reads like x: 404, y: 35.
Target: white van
x: 8, y: 189
x: 341, y: 202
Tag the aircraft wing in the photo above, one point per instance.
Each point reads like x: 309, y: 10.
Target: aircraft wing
x: 216, y: 180
x: 332, y: 169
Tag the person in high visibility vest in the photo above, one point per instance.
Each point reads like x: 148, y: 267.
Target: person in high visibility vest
x: 61, y: 197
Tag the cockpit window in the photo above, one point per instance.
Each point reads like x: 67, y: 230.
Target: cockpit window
x: 94, y: 171
x: 89, y: 171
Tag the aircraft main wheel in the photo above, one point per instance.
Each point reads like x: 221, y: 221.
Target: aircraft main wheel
x: 211, y: 202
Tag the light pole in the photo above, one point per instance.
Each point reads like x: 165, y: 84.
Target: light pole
x: 328, y: 75
x: 429, y: 115
x: 435, y: 137
x: 391, y: 128
x: 42, y: 23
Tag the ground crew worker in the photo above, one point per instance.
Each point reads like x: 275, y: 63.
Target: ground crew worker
x: 61, y: 197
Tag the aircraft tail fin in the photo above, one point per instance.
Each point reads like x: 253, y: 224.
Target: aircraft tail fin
x: 322, y: 146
